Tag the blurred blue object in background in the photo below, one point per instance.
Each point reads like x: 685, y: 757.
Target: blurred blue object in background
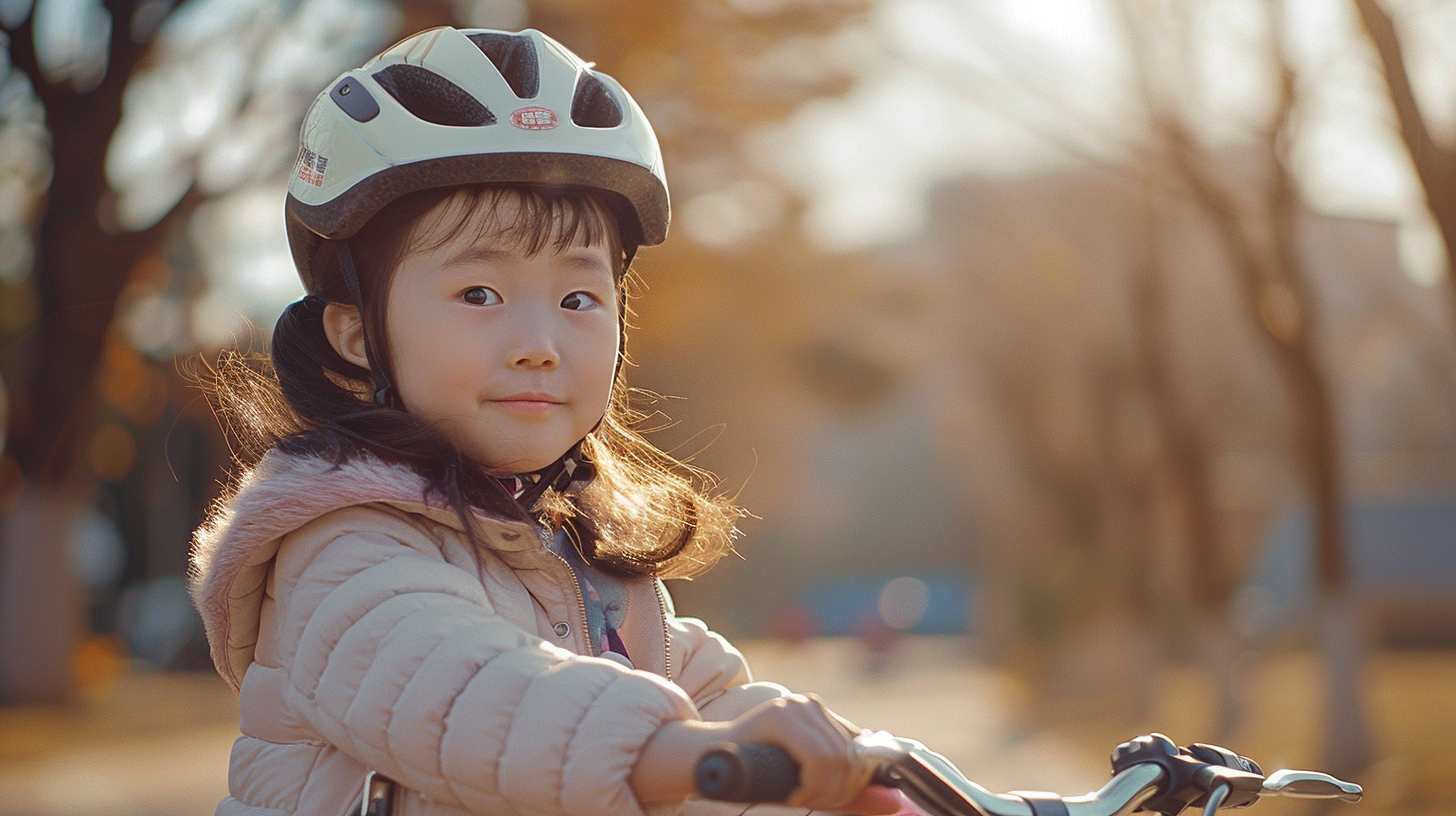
x: 1402, y: 565
x: 929, y: 604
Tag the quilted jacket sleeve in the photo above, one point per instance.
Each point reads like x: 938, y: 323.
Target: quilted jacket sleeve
x: 400, y: 661
x: 714, y: 673
x: 717, y: 677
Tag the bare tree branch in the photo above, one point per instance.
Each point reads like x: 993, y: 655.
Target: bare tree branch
x: 1380, y: 28
x: 1435, y: 165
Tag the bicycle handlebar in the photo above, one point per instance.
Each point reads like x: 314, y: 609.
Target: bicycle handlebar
x: 748, y: 772
x: 1145, y: 772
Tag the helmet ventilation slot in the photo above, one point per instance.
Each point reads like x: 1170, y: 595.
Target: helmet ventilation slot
x: 514, y: 56
x: 433, y: 98
x: 593, y: 105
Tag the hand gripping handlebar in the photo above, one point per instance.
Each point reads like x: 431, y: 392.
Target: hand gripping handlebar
x: 1148, y: 772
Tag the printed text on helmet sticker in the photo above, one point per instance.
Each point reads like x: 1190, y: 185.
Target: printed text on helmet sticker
x: 534, y: 118
x: 311, y: 167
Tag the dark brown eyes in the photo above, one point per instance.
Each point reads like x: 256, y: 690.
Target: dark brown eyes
x: 485, y: 296
x: 578, y: 301
x: 481, y: 296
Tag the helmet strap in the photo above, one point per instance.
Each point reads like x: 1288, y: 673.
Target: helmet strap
x: 383, y: 389
x: 628, y: 253
x: 573, y: 468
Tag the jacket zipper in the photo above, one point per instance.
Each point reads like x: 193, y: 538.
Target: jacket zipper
x: 666, y: 635
x: 586, y: 633
x: 580, y: 604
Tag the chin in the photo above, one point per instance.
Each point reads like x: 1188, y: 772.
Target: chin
x: 509, y: 458
x: 515, y: 464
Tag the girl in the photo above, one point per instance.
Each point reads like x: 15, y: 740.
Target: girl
x: 444, y: 568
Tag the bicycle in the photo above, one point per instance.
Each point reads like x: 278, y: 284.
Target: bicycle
x: 1148, y: 773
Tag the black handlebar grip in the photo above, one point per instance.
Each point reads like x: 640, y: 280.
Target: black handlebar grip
x: 748, y: 772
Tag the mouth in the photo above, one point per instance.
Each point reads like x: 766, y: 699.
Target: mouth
x: 529, y: 401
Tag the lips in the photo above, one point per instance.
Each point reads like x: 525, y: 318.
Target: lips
x: 531, y: 397
x: 529, y: 403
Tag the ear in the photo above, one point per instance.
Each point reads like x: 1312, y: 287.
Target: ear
x: 346, y: 333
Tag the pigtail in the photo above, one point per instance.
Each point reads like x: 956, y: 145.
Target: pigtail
x: 319, y: 384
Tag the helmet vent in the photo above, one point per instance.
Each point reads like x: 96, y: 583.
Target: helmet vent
x: 593, y: 105
x: 432, y: 97
x: 514, y: 56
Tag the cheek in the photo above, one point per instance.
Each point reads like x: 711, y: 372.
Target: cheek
x: 426, y: 358
x: 604, y: 362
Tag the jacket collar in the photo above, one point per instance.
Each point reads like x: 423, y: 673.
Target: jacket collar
x: 285, y: 492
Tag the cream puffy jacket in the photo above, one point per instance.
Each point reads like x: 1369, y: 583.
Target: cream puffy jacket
x: 362, y: 630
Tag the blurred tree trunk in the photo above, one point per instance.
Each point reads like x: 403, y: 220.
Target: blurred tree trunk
x: 1435, y: 164
x: 1277, y: 293
x: 1261, y: 239
x: 81, y: 266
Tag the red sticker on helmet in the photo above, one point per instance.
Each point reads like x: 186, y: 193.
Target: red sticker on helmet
x: 311, y: 167
x: 534, y: 118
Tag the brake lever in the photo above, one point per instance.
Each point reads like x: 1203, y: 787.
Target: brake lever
x: 1310, y: 785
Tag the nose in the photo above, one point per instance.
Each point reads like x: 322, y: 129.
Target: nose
x: 535, y: 346
x: 543, y: 359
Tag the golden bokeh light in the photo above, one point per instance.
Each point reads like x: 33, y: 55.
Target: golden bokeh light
x: 112, y: 452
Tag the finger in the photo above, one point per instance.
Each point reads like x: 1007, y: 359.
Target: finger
x: 831, y: 772
x: 820, y: 781
x: 824, y: 781
x: 848, y: 726
x: 834, y: 773
x: 845, y: 772
x: 877, y: 800
x: 792, y: 723
x: 834, y: 726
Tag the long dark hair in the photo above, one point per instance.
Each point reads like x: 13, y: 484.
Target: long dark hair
x: 645, y: 513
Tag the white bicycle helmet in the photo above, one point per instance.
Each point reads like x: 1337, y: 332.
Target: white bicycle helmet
x: 447, y: 107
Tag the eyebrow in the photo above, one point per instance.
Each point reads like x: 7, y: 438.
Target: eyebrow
x: 582, y: 260
x: 476, y: 253
x: 575, y: 257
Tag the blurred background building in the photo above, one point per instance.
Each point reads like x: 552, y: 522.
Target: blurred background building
x: 1092, y: 339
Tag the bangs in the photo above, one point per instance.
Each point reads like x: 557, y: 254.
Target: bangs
x: 526, y: 219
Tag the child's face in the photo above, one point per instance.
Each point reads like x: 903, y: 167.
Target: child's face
x: 512, y: 355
